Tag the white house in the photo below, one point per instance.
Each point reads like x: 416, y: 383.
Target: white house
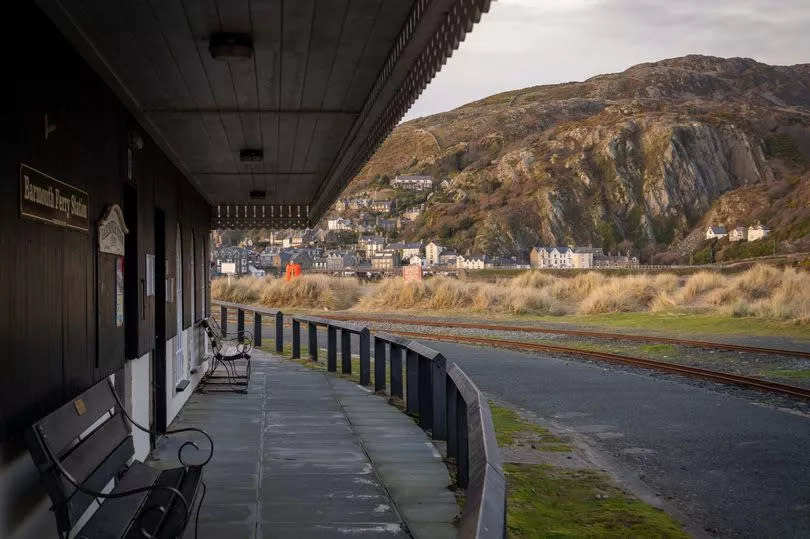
x: 562, y: 257
x: 739, y: 233
x: 412, y: 182
x: 339, y: 224
x: 716, y: 232
x: 758, y: 232
x: 416, y: 260
x: 412, y: 214
x: 473, y: 262
x: 432, y: 252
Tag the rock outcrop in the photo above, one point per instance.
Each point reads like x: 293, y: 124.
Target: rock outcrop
x: 633, y: 160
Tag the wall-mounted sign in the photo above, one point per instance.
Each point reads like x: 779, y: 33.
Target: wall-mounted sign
x: 46, y: 199
x: 111, y: 231
x: 150, y: 275
x: 119, y: 292
x: 412, y: 272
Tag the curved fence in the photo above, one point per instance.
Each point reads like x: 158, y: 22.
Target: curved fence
x: 447, y: 404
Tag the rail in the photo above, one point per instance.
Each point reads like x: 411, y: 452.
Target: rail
x: 447, y: 404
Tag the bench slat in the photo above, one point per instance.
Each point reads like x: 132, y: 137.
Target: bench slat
x: 61, y: 427
x: 113, y: 518
x: 100, y: 478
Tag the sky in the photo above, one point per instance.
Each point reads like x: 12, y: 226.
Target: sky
x: 522, y: 43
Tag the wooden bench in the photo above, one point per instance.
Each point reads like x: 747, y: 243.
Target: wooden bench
x: 86, y: 445
x: 227, y: 348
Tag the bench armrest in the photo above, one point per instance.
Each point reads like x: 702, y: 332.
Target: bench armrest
x: 168, y: 432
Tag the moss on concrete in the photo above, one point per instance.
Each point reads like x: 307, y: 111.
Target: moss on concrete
x: 549, y: 502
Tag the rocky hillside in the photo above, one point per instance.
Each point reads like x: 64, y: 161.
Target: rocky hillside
x: 642, y: 159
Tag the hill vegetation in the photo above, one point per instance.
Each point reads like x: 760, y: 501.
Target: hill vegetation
x: 641, y: 160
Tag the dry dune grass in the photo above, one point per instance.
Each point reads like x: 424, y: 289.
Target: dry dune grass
x: 762, y: 291
x: 307, y: 291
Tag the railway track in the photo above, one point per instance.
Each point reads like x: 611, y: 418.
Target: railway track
x: 695, y: 372
x: 685, y: 370
x: 579, y: 333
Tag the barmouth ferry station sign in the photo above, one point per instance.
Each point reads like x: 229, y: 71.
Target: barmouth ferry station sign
x: 46, y: 199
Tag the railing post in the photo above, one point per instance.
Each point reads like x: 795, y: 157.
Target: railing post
x: 451, y: 398
x: 365, y: 357
x: 223, y: 318
x: 345, y: 351
x: 257, y: 329
x: 462, y: 459
x: 396, y: 371
x: 279, y: 332
x: 379, y: 364
x: 438, y: 372
x: 412, y: 381
x: 331, y: 349
x: 296, y: 338
x: 240, y: 324
x: 425, y: 393
x: 313, y: 341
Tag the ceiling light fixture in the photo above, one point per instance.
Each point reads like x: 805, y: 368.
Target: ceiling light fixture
x: 231, y: 46
x: 251, y: 156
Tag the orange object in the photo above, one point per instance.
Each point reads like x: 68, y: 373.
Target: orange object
x: 292, y: 271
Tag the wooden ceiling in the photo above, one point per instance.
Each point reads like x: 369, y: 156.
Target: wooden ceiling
x: 327, y: 81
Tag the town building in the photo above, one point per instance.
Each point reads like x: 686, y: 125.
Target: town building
x: 739, y: 233
x: 383, y: 206
x: 563, y: 257
x: 386, y: 224
x: 716, y: 232
x: 370, y: 245
x: 412, y: 214
x: 405, y: 250
x: 358, y: 203
x: 241, y: 257
x: 413, y: 182
x: 448, y: 257
x: 473, y: 262
x: 758, y: 232
x: 416, y: 260
x: 339, y: 223
x: 615, y: 261
x: 432, y: 252
x: 385, y: 260
x: 338, y: 260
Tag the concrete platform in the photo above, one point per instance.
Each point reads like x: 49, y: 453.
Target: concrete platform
x: 305, y: 454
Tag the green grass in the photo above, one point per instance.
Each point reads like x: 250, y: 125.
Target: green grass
x: 547, y: 502
x: 686, y: 323
x: 798, y: 374
x: 511, y: 430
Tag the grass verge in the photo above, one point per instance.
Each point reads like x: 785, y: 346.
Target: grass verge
x: 544, y: 501
x: 550, y: 501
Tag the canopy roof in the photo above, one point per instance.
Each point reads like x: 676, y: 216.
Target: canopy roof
x: 270, y: 107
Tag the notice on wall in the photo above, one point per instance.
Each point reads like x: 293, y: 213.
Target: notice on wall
x: 150, y: 275
x: 46, y: 199
x: 119, y: 292
x: 111, y: 231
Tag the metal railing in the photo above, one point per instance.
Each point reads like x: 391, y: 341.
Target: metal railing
x: 447, y: 404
